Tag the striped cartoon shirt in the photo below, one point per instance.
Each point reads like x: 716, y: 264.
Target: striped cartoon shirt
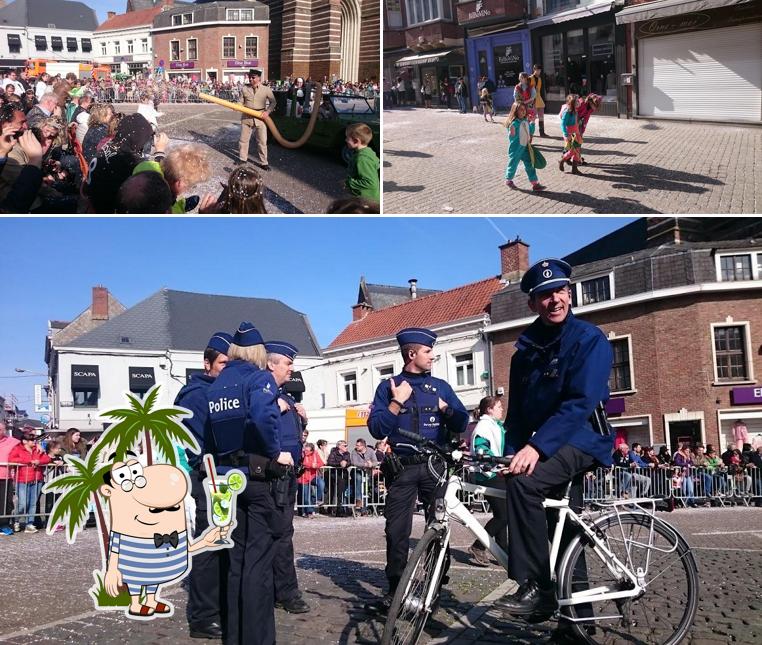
x: 143, y: 564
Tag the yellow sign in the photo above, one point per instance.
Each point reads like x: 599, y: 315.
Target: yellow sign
x: 356, y: 418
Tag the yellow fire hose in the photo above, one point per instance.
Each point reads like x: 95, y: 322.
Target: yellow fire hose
x: 257, y: 114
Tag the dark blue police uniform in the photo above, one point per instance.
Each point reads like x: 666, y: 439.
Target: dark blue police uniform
x: 243, y: 417
x: 206, y: 605
x: 558, y: 377
x: 290, y: 428
x: 421, y: 415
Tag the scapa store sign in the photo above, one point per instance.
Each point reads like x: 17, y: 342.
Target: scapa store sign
x: 481, y: 10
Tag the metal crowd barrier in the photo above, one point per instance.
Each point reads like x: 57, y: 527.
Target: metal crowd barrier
x: 687, y: 486
x: 19, y: 500
x: 344, y: 491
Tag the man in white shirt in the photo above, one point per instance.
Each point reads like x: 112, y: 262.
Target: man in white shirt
x: 13, y: 80
x: 43, y: 86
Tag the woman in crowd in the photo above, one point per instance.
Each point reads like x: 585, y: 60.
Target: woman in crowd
x: 29, y: 479
x: 657, y: 473
x: 312, y: 463
x: 101, y: 115
x: 683, y: 459
x: 73, y: 443
x: 489, y: 438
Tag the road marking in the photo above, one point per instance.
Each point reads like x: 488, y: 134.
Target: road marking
x: 728, y: 532
x: 714, y: 548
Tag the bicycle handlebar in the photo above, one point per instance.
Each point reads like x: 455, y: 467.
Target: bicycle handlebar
x: 479, y: 456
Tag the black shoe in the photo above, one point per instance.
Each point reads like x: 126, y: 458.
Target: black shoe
x: 293, y: 606
x: 265, y: 167
x: 379, y: 607
x: 530, y: 600
x: 239, y: 162
x: 205, y: 630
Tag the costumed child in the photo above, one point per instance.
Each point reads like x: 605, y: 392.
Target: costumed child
x: 485, y: 99
x: 572, y: 137
x: 525, y: 94
x: 519, y: 138
x: 585, y: 109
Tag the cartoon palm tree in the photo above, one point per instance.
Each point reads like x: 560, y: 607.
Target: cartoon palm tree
x: 162, y: 427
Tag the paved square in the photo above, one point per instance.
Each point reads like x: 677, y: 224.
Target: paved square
x: 340, y: 566
x: 439, y: 161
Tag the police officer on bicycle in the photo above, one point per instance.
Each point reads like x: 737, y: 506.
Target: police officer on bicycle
x: 556, y: 427
x: 243, y: 418
x: 417, y: 402
x: 291, y: 423
x: 209, y: 567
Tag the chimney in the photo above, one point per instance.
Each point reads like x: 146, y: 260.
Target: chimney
x: 514, y: 260
x: 360, y: 310
x: 413, y: 282
x: 100, y: 303
x: 110, y: 15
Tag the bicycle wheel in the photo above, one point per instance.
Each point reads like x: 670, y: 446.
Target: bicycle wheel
x: 408, y: 614
x: 663, y: 564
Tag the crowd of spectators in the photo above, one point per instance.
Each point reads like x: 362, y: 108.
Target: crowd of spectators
x: 65, y: 149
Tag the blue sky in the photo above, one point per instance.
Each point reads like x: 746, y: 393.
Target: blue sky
x: 102, y: 6
x: 48, y: 266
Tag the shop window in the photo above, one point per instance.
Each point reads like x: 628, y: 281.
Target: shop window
x: 602, y: 67
x: 576, y: 61
x: 349, y: 387
x: 251, y: 47
x: 228, y: 47
x: 730, y: 352
x: 464, y: 370
x: 739, y: 266
x: 174, y: 50
x: 509, y: 63
x: 85, y: 398
x: 620, y: 379
x: 192, y: 49
x: 552, y: 65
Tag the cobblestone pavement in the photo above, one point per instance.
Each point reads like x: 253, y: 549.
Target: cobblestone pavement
x: 340, y: 566
x: 438, y: 161
x: 300, y: 181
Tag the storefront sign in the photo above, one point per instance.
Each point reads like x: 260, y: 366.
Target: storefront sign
x: 602, y: 50
x: 123, y: 59
x: 184, y: 64
x: 509, y: 55
x: 246, y: 62
x: 485, y: 10
x: 746, y: 395
x: 356, y: 418
x: 725, y: 17
x: 615, y: 406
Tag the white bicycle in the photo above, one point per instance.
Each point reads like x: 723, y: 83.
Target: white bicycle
x: 626, y: 576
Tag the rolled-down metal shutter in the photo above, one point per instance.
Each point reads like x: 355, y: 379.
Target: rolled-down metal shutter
x: 714, y: 74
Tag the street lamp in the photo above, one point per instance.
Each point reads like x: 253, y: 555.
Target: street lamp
x: 30, y: 372
x: 48, y: 388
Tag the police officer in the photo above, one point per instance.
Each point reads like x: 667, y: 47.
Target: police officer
x: 207, y: 576
x: 556, y: 428
x: 258, y: 97
x: 291, y: 423
x: 417, y: 402
x: 243, y: 419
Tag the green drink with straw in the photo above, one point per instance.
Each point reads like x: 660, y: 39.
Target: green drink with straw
x: 221, y: 492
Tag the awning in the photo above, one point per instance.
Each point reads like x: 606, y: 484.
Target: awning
x: 87, y: 45
x: 422, y: 59
x: 84, y: 377
x: 141, y: 379
x: 40, y: 42
x: 71, y: 44
x: 573, y: 14
x: 666, y: 8
x: 14, y: 39
x: 56, y: 42
x: 296, y: 384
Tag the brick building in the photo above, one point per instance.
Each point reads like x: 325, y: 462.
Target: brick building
x: 680, y: 302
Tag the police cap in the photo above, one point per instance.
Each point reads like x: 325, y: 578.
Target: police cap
x: 546, y: 275
x: 281, y: 347
x: 220, y: 342
x: 416, y: 336
x: 247, y: 335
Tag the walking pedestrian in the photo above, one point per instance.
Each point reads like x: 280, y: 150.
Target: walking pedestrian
x: 585, y: 108
x: 519, y: 138
x: 461, y: 94
x: 525, y: 94
x: 426, y: 90
x: 572, y: 137
x: 256, y: 96
x: 537, y: 79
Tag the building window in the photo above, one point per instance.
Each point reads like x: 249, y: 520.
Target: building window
x: 182, y: 19
x: 591, y: 291
x: 56, y: 43
x: 117, y: 47
x: 228, y: 47
x: 71, y: 44
x: 620, y: 379
x: 130, y: 47
x: 192, y: 49
x: 174, y: 50
x: 427, y: 10
x: 349, y: 383
x: 251, y: 46
x: 464, y: 369
x: 247, y: 14
x: 385, y: 372
x: 103, y: 49
x: 144, y: 45
x: 234, y: 14
x: 40, y: 43
x: 14, y: 43
x: 85, y: 398
x: 740, y: 266
x: 87, y: 45
x: 731, y: 359
x: 187, y: 18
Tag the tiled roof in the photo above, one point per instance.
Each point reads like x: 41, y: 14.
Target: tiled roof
x: 63, y: 14
x: 380, y: 296
x: 131, y: 19
x: 429, y: 311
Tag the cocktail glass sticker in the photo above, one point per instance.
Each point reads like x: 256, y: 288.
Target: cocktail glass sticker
x: 139, y: 503
x: 221, y: 493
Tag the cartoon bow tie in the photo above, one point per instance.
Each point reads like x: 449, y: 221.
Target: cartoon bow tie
x: 165, y: 538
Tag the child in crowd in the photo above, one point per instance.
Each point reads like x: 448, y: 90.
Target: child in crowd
x: 518, y: 141
x: 572, y: 137
x: 243, y: 195
x: 485, y: 100
x: 585, y: 109
x: 364, y: 166
x: 184, y: 167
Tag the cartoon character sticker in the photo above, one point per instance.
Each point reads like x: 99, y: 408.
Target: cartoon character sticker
x: 140, y: 506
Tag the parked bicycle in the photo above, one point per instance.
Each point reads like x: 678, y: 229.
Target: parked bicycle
x: 626, y: 576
